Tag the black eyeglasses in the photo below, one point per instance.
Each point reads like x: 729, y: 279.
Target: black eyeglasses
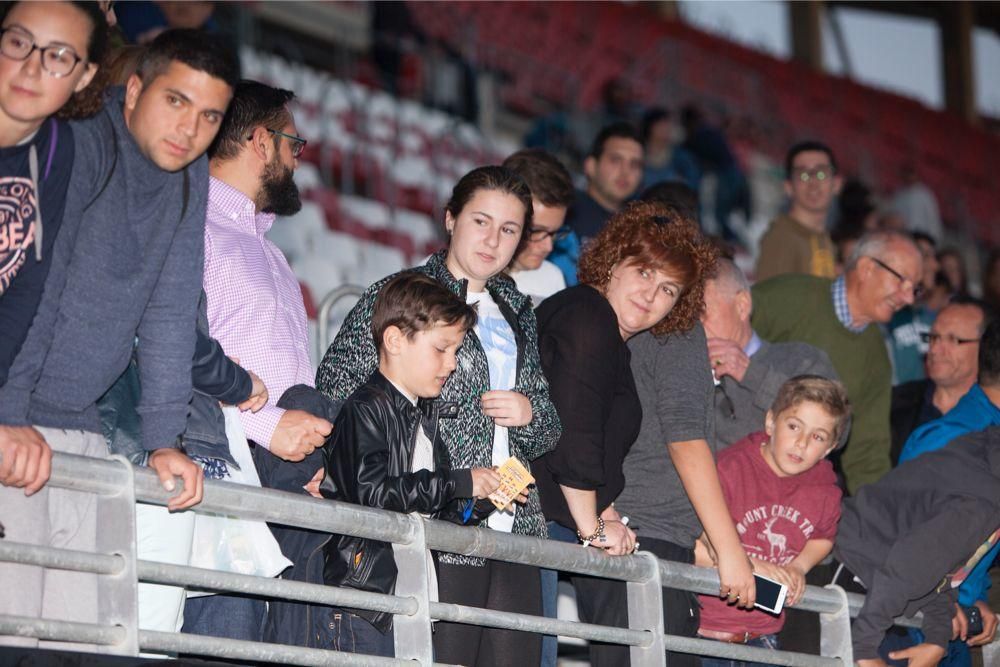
x: 916, y: 289
x: 951, y: 339
x: 538, y: 234
x: 298, y: 143
x: 816, y: 173
x: 58, y: 60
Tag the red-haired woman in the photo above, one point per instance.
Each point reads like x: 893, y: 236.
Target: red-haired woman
x: 644, y: 271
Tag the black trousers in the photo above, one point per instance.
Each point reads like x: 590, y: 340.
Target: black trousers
x: 605, y: 602
x: 499, y: 586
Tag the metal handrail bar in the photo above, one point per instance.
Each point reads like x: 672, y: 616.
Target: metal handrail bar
x: 214, y: 580
x: 323, y: 314
x: 65, y: 631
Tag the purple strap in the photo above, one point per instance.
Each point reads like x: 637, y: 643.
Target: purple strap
x: 52, y: 147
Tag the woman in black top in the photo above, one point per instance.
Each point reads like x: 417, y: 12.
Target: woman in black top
x: 645, y: 270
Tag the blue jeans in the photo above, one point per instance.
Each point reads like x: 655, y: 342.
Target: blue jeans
x: 228, y: 616
x: 764, y: 641
x: 349, y: 633
x: 550, y: 594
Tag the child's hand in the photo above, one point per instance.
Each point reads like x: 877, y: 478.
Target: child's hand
x: 775, y: 573
x: 484, y: 482
x: 921, y: 655
x: 507, y: 408
x: 796, y: 585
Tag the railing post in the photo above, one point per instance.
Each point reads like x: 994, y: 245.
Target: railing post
x: 413, y: 633
x: 645, y: 612
x: 118, y: 593
x: 835, y: 630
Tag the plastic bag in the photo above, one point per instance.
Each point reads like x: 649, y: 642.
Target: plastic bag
x: 229, y: 544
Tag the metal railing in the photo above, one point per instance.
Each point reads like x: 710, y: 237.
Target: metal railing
x: 323, y: 311
x: 119, y: 485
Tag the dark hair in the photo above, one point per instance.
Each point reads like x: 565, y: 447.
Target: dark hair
x: 989, y: 355
x: 416, y: 302
x: 547, y: 178
x: 657, y: 237
x: 802, y: 147
x: 649, y: 119
x: 620, y: 130
x: 831, y: 394
x: 254, y: 104
x: 496, y: 178
x: 194, y: 48
x: 926, y: 238
x: 675, y: 195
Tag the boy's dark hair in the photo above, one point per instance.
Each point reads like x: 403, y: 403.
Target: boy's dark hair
x: 675, y: 195
x: 547, y: 178
x: 831, y: 394
x: 620, y: 130
x: 415, y: 302
x: 254, y: 104
x: 194, y: 48
x: 989, y: 355
x: 802, y: 147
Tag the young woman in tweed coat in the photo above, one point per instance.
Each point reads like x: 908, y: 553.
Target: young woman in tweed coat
x: 501, y: 397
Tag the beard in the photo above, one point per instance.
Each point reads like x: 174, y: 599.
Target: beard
x: 279, y: 193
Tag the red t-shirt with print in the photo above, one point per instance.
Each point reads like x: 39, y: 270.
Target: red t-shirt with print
x: 774, y: 517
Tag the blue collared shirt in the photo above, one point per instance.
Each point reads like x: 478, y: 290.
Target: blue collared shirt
x: 838, y: 290
x: 752, y: 345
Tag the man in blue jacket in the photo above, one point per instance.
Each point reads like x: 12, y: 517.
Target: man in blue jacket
x: 977, y: 410
x: 127, y: 263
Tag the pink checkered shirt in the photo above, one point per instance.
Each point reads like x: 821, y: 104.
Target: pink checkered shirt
x: 255, y: 307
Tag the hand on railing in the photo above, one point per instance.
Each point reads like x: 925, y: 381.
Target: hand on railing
x: 25, y: 458
x: 169, y: 463
x: 921, y: 655
x: 298, y: 434
x: 736, y: 583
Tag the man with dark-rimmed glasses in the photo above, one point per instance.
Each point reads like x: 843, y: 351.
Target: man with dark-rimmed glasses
x: 882, y: 275
x: 551, y: 195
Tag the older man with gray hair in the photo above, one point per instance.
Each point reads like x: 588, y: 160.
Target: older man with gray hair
x: 881, y: 276
x: 748, y: 370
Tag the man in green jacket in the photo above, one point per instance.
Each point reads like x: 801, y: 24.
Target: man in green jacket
x: 881, y: 276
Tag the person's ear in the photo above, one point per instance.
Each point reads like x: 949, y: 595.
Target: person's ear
x: 393, y: 339
x: 744, y: 305
x: 133, y: 89
x: 262, y: 144
x: 590, y: 167
x: 788, y: 188
x: 838, y: 183
x: 449, y: 223
x: 769, y: 424
x: 88, y: 76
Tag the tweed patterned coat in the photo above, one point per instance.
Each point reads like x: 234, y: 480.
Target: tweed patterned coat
x: 352, y: 358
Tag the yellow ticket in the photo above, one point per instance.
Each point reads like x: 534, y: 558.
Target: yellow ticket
x: 514, y: 478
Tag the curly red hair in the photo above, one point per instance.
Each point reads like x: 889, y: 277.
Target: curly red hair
x: 654, y: 236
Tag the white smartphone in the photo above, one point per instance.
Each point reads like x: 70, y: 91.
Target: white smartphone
x: 770, y: 594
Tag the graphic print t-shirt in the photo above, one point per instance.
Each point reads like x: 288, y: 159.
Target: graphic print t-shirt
x: 22, y: 276
x: 500, y: 346
x: 774, y: 517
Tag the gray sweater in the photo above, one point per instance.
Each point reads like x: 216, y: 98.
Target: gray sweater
x: 674, y: 383
x: 125, y: 264
x: 748, y: 401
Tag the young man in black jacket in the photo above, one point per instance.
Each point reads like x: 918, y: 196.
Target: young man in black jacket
x: 914, y: 535
x: 387, y: 452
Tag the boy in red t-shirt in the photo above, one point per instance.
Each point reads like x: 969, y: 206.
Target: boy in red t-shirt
x: 783, y: 497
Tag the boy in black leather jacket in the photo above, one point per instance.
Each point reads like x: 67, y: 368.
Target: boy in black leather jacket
x: 386, y: 450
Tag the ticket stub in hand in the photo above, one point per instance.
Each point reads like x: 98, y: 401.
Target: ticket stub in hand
x: 514, y: 478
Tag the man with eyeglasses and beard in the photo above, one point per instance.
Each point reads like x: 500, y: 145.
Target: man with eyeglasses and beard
x: 551, y: 195
x: 881, y: 276
x: 255, y: 307
x: 798, y: 241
